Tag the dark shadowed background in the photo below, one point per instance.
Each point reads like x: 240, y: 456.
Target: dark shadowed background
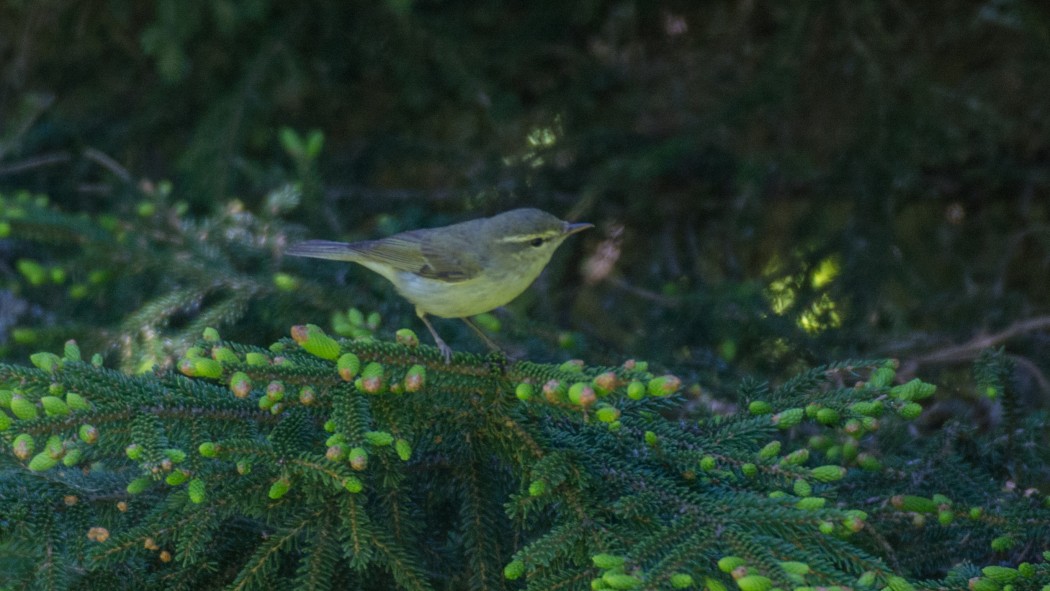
x: 775, y: 184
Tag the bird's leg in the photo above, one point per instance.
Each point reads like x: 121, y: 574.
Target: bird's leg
x: 488, y: 341
x: 446, y: 351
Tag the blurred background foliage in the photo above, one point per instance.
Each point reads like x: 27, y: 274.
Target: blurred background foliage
x: 775, y: 185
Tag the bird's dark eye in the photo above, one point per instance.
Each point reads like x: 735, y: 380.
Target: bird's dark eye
x: 537, y: 242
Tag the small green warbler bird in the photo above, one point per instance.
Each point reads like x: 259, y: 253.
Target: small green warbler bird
x: 460, y: 270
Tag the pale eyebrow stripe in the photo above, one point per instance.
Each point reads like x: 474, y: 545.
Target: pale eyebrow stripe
x: 525, y: 237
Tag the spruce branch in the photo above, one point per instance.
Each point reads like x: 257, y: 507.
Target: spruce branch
x: 375, y: 464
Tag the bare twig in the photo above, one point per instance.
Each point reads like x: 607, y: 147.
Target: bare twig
x: 35, y: 162
x: 645, y: 294
x: 108, y: 163
x: 974, y: 346
x: 969, y: 350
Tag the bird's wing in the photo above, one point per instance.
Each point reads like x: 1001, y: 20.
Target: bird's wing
x: 450, y: 258
x: 417, y: 252
x: 425, y: 253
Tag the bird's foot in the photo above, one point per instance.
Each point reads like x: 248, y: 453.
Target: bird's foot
x: 446, y: 351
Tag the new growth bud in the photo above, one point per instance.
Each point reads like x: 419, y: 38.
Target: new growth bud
x: 314, y: 341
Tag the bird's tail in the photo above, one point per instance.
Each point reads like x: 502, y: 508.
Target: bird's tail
x: 323, y: 249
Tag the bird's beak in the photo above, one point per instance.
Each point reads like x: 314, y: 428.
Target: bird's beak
x: 574, y: 228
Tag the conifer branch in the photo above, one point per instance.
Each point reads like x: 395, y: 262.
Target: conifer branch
x: 320, y: 460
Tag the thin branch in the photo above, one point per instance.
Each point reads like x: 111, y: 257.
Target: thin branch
x: 974, y: 346
x: 35, y: 162
x: 108, y: 163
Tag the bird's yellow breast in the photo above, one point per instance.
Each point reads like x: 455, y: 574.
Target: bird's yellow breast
x: 460, y: 299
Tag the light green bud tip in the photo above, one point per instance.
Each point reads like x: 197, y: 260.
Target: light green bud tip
x: 23, y: 446
x: 54, y: 406
x: 616, y: 580
x: 42, y: 461
x: 514, y: 570
x: 796, y: 458
x: 754, y: 583
x: 636, y: 390
x: 285, y: 281
x: 379, y: 438
x: 353, y: 484
x: 537, y: 488
x: 77, y: 402
x: 72, y: 457
x: 404, y: 449
x: 572, y: 366
x: 827, y: 416
x: 201, y: 367
x: 916, y: 389
x: 176, y: 478
x: 728, y: 564
x: 664, y: 385
x: 240, y: 384
x: 415, y: 378
x: 358, y: 458
x: 88, y: 434
x: 811, y: 503
x: 138, y: 485
x: 607, y: 414
x: 607, y: 561
x: 910, y: 411
x: 71, y: 352
x: 882, y: 377
x: 45, y: 361
x: 23, y: 408
x: 895, y: 583
x: 196, y: 491
x: 1002, y: 543
x: 348, y: 366
x: 801, y: 488
x: 759, y: 407
x: 795, y: 568
x: 279, y: 488
x: 275, y: 391
x: 371, y: 380
x: 224, y: 355
x: 209, y: 449
x: 828, y: 473
x: 524, y: 391
x: 788, y: 418
x: 770, y: 450
x: 582, y: 394
x: 314, y: 341
x: 407, y: 337
x: 681, y: 581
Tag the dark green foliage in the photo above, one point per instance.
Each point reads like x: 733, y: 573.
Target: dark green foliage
x: 775, y: 185
x: 192, y: 487
x: 721, y: 147
x: 154, y: 263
